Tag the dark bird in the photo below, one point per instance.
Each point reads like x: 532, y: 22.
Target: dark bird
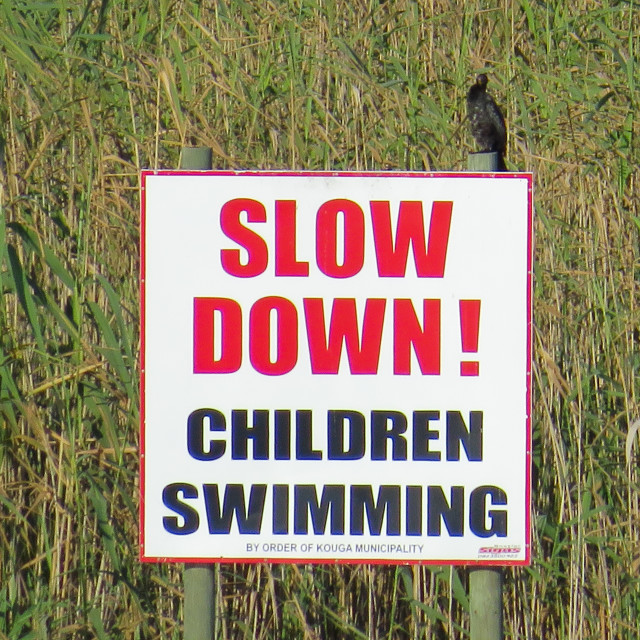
x: 486, y: 121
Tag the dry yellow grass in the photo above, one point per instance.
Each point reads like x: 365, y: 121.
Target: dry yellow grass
x: 90, y: 96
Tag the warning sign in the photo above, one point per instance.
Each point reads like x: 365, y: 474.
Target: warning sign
x: 336, y: 367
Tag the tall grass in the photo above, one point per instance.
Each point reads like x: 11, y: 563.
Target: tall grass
x: 91, y: 93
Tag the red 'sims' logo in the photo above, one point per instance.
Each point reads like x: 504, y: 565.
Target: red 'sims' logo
x: 499, y: 550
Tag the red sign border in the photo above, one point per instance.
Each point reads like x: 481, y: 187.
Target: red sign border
x: 337, y: 174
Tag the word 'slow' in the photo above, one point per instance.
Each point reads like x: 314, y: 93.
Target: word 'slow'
x: 340, y: 231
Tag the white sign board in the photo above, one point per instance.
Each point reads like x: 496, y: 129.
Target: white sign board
x: 336, y: 367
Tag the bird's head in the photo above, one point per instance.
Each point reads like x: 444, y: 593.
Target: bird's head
x: 482, y: 80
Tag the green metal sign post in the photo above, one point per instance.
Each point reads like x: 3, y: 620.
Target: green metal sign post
x: 199, y: 579
x: 485, y: 585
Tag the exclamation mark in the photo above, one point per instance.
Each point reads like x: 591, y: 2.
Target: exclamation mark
x: 469, y: 330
